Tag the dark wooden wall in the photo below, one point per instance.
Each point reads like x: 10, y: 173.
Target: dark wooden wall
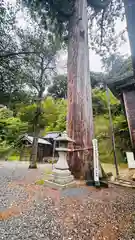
x: 129, y: 102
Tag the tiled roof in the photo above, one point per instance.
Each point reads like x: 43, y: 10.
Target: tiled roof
x: 40, y: 140
x: 52, y: 135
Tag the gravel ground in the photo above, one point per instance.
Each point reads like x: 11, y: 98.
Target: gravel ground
x: 28, y: 211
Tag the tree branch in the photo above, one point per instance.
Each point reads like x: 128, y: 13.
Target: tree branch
x: 41, y: 78
x: 102, y: 26
x: 11, y: 54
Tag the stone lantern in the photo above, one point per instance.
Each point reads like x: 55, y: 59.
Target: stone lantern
x: 62, y: 177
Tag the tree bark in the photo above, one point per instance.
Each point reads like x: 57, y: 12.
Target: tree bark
x: 33, y: 156
x: 34, y: 152
x: 80, y: 114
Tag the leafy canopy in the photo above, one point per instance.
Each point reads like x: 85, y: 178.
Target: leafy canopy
x: 102, y: 16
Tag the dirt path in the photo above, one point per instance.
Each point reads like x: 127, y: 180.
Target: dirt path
x: 30, y: 211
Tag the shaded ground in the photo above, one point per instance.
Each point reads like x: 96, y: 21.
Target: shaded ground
x: 30, y: 211
x: 108, y: 167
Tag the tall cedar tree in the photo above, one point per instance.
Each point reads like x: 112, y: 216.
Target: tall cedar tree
x: 71, y: 19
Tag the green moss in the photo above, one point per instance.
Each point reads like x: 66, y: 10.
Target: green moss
x: 13, y: 158
x: 40, y: 182
x: 48, y: 171
x: 52, y: 161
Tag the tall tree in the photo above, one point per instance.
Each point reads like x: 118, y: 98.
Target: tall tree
x: 80, y: 116
x: 12, y: 88
x: 8, y: 67
x: 71, y: 18
x: 38, y: 70
x: 7, y: 28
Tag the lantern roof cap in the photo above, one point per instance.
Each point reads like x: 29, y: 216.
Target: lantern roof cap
x: 64, y: 138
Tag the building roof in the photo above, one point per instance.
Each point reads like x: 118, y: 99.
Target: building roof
x: 40, y: 140
x: 2, y: 106
x: 52, y: 135
x: 121, y: 83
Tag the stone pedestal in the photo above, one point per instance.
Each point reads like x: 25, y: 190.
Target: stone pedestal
x: 62, y: 177
x: 61, y: 173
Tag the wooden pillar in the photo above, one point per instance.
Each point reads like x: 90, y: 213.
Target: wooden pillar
x: 22, y: 152
x: 129, y: 103
x: 80, y: 114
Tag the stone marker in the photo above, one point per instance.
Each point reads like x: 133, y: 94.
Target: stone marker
x: 130, y: 160
x: 97, y: 170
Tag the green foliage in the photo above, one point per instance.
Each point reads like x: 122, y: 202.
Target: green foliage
x: 103, y: 134
x: 53, y: 118
x: 60, y: 118
x: 58, y: 89
x: 5, y: 113
x: 38, y: 68
x: 102, y: 13
x: 10, y: 130
x: 13, y: 157
x: 49, y: 110
x: 27, y: 113
x: 102, y: 127
x: 122, y: 133
x: 13, y: 129
x: 4, y: 148
x: 58, y: 12
x: 100, y: 103
x: 9, y: 68
x: 117, y: 66
x: 48, y: 114
x: 97, y: 79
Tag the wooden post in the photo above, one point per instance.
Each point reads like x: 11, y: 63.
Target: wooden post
x: 112, y: 131
x: 80, y: 114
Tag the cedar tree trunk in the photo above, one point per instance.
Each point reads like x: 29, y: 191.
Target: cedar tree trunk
x: 80, y: 115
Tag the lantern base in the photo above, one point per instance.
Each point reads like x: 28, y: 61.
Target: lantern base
x: 55, y: 185
x: 62, y: 176
x: 61, y: 179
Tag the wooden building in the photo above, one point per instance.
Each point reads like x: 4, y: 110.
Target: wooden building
x: 124, y: 89
x: 44, y: 148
